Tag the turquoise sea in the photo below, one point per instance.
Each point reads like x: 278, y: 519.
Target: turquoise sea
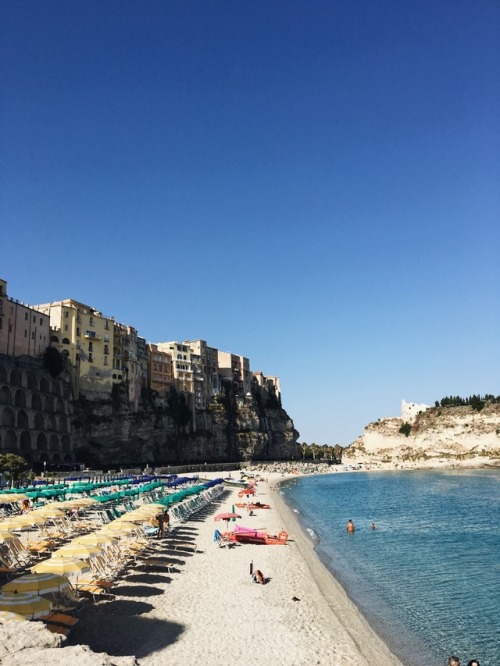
x: 427, y: 578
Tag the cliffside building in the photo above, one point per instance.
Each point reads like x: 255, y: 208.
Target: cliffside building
x: 160, y: 373
x: 23, y: 330
x: 86, y: 337
x: 235, y: 368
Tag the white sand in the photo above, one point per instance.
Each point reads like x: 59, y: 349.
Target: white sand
x: 209, y: 608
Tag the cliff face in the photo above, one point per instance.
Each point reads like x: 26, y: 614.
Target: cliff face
x: 107, y: 432
x: 439, y: 432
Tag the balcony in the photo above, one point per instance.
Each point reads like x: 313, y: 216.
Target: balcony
x: 92, y: 335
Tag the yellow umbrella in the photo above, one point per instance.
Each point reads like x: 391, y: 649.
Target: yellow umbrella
x: 119, y: 527
x: 40, y: 583
x: 80, y: 550
x: 96, y: 539
x: 8, y: 498
x: 48, y: 511
x: 7, y: 616
x: 27, y: 604
x: 73, y: 503
x: 65, y: 566
x: 7, y: 536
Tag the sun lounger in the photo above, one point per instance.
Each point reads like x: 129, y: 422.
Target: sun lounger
x: 60, y: 618
x: 58, y: 629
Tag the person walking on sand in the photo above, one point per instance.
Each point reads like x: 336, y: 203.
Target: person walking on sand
x: 160, y: 520
x: 350, y: 526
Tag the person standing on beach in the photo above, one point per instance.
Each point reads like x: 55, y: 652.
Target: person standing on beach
x: 160, y: 520
x: 350, y: 526
x: 166, y: 520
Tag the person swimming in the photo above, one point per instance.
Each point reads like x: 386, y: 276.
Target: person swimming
x: 350, y: 526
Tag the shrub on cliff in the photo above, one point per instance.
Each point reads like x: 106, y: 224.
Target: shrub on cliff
x: 405, y: 429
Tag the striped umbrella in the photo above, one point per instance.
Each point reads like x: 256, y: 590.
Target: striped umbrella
x: 40, y: 583
x: 7, y: 616
x: 96, y: 539
x: 81, y: 551
x: 27, y: 604
x: 65, y: 566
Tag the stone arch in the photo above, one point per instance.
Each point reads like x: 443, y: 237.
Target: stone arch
x: 41, y: 442
x: 65, y: 341
x: 44, y: 385
x: 56, y: 458
x: 65, y: 443
x: 22, y: 419
x: 54, y: 443
x: 5, y: 396
x: 10, y: 439
x: 25, y: 443
x: 20, y: 398
x: 51, y: 422
x: 15, y: 378
x: 49, y: 404
x: 54, y: 338
x: 68, y: 458
x: 39, y: 421
x: 8, y: 417
x: 32, y: 382
x: 56, y: 387
x: 63, y: 424
x: 36, y: 401
x: 60, y: 406
x: 3, y: 374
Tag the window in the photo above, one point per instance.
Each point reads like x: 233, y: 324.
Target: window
x: 34, y: 319
x: 78, y: 332
x: 91, y: 321
x: 25, y: 316
x: 66, y: 314
x: 66, y: 327
x: 41, y: 321
x: 105, y: 360
x: 91, y: 357
x: 33, y: 335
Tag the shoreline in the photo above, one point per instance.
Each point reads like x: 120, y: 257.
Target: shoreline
x: 367, y: 641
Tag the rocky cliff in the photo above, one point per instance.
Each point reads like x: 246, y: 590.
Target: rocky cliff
x: 435, y: 434
x: 106, y: 432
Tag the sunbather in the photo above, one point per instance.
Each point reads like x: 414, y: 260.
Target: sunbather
x: 258, y: 577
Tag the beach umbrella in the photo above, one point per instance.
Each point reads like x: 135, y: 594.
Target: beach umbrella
x: 65, y: 566
x: 27, y: 604
x: 227, y: 517
x: 120, y: 527
x: 96, y: 539
x: 8, y: 498
x: 247, y: 491
x: 48, y: 511
x: 38, y: 583
x: 82, y: 551
x: 7, y: 616
x: 7, y: 536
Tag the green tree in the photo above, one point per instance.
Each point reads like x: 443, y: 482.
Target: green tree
x: 11, y: 465
x: 303, y: 448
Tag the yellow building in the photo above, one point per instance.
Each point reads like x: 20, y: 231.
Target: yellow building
x: 23, y: 330
x: 86, y: 337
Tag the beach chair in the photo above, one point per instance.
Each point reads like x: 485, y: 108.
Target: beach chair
x: 222, y: 541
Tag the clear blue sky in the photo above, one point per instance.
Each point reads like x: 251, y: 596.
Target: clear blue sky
x: 314, y: 185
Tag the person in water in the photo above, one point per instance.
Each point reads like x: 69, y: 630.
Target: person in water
x: 372, y: 526
x: 473, y: 662
x: 453, y: 661
x: 350, y: 526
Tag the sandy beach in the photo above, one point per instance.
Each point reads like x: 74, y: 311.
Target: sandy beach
x: 208, y: 606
